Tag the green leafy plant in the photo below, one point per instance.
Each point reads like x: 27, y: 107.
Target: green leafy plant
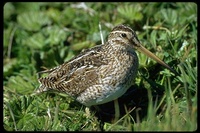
x: 43, y: 35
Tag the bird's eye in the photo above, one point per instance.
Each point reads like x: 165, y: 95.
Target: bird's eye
x: 123, y: 35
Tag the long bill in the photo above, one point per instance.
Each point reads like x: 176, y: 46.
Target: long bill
x: 151, y: 55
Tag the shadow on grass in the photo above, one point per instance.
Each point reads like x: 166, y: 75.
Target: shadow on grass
x: 136, y: 97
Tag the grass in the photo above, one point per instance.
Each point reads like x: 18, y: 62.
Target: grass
x: 38, y: 35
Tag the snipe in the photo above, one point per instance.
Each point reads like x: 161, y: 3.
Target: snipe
x: 100, y: 74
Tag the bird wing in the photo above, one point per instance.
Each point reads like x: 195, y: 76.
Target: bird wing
x: 76, y: 75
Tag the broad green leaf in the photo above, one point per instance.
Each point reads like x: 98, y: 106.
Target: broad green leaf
x: 95, y: 37
x: 131, y: 12
x: 82, y: 45
x: 21, y: 7
x: 33, y: 21
x: 54, y: 14
x: 36, y: 41
x: 8, y: 10
x: 20, y: 85
x: 55, y: 35
x: 67, y: 16
x: 8, y: 66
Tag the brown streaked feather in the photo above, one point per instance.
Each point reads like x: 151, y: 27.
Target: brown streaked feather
x: 70, y: 76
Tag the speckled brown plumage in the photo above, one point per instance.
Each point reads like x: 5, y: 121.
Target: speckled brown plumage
x: 100, y: 74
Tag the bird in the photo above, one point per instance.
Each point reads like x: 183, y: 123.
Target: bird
x: 102, y: 73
